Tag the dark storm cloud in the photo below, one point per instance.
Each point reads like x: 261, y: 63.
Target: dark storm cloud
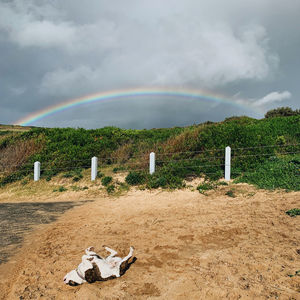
x: 59, y: 50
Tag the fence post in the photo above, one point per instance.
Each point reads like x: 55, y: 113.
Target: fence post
x: 227, y: 163
x: 37, y: 171
x: 94, y: 168
x: 152, y: 163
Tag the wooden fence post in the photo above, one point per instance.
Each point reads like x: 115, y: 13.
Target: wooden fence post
x: 152, y: 163
x: 227, y: 163
x: 94, y: 168
x: 37, y: 171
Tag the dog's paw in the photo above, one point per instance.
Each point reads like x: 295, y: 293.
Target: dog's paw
x: 132, y: 248
x: 90, y: 248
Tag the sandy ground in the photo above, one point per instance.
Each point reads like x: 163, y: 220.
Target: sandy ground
x: 188, y: 246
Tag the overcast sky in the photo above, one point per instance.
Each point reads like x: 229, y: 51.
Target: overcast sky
x: 53, y: 50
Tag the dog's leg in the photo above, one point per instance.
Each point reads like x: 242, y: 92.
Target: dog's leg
x: 90, y: 251
x: 111, y: 251
x: 124, y: 263
x: 128, y: 256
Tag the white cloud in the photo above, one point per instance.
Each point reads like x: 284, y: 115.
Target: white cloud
x: 273, y: 97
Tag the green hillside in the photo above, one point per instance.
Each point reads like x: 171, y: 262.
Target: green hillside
x: 264, y: 152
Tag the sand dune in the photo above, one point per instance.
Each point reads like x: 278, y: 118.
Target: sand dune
x: 188, y: 246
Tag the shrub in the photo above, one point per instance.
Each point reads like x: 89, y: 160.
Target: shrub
x: 134, y: 178
x: 62, y: 189
x: 106, y: 180
x: 206, y: 186
x: 110, y: 188
x: 278, y: 172
x: 230, y: 193
x: 293, y: 212
x: 24, y: 182
x: 100, y: 175
x: 282, y: 112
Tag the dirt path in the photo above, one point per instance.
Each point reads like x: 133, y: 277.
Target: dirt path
x: 188, y: 246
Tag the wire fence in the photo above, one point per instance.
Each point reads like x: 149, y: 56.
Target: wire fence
x: 208, y: 161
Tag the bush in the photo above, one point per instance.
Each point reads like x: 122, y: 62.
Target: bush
x: 100, y: 175
x: 278, y: 172
x: 293, y: 212
x: 134, y: 178
x: 164, y: 180
x: 230, y: 193
x: 282, y: 112
x: 106, y: 180
x: 76, y: 178
x: 60, y: 189
x: 206, y: 186
x: 110, y: 189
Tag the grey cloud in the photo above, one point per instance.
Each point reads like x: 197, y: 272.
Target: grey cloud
x: 59, y: 50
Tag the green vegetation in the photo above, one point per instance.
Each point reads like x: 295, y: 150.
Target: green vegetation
x: 264, y: 152
x: 297, y: 273
x: 135, y: 178
x: 60, y: 189
x: 275, y: 172
x: 230, y: 193
x: 282, y: 112
x: 110, y: 189
x: 206, y: 186
x: 293, y: 212
x: 106, y: 180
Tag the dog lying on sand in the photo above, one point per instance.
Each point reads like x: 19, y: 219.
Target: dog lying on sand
x: 93, y: 267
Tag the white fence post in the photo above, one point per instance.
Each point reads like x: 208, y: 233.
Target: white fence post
x: 152, y: 163
x: 37, y: 171
x: 94, y: 168
x: 227, y: 163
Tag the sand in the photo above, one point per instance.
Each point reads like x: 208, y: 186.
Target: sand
x: 188, y: 246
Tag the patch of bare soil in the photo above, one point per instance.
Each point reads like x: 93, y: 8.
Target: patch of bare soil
x: 188, y: 246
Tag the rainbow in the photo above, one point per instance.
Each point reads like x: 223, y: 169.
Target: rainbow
x: 133, y: 92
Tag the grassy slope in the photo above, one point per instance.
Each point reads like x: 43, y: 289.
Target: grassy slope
x: 60, y: 150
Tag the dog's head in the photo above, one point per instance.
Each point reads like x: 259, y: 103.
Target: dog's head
x: 73, y: 278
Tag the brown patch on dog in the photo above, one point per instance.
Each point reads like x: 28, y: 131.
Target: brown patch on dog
x: 125, y: 265
x: 94, y: 274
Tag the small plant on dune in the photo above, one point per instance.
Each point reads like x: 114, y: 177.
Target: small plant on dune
x: 110, y: 189
x: 24, y: 182
x: 230, y: 193
x: 60, y: 189
x: 222, y: 183
x: 106, y: 180
x: 297, y: 273
x: 135, y: 178
x: 76, y: 178
x: 117, y: 169
x: 206, y: 186
x: 293, y: 212
x: 68, y: 175
x: 100, y: 175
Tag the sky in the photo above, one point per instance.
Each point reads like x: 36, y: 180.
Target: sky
x: 51, y: 52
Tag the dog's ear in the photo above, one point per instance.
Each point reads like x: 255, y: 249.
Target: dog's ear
x: 72, y: 283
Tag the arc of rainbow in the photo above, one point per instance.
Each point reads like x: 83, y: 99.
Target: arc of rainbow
x: 119, y: 94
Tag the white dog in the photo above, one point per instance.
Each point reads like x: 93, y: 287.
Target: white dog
x: 96, y: 268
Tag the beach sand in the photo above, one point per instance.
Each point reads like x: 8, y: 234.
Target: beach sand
x: 188, y: 246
